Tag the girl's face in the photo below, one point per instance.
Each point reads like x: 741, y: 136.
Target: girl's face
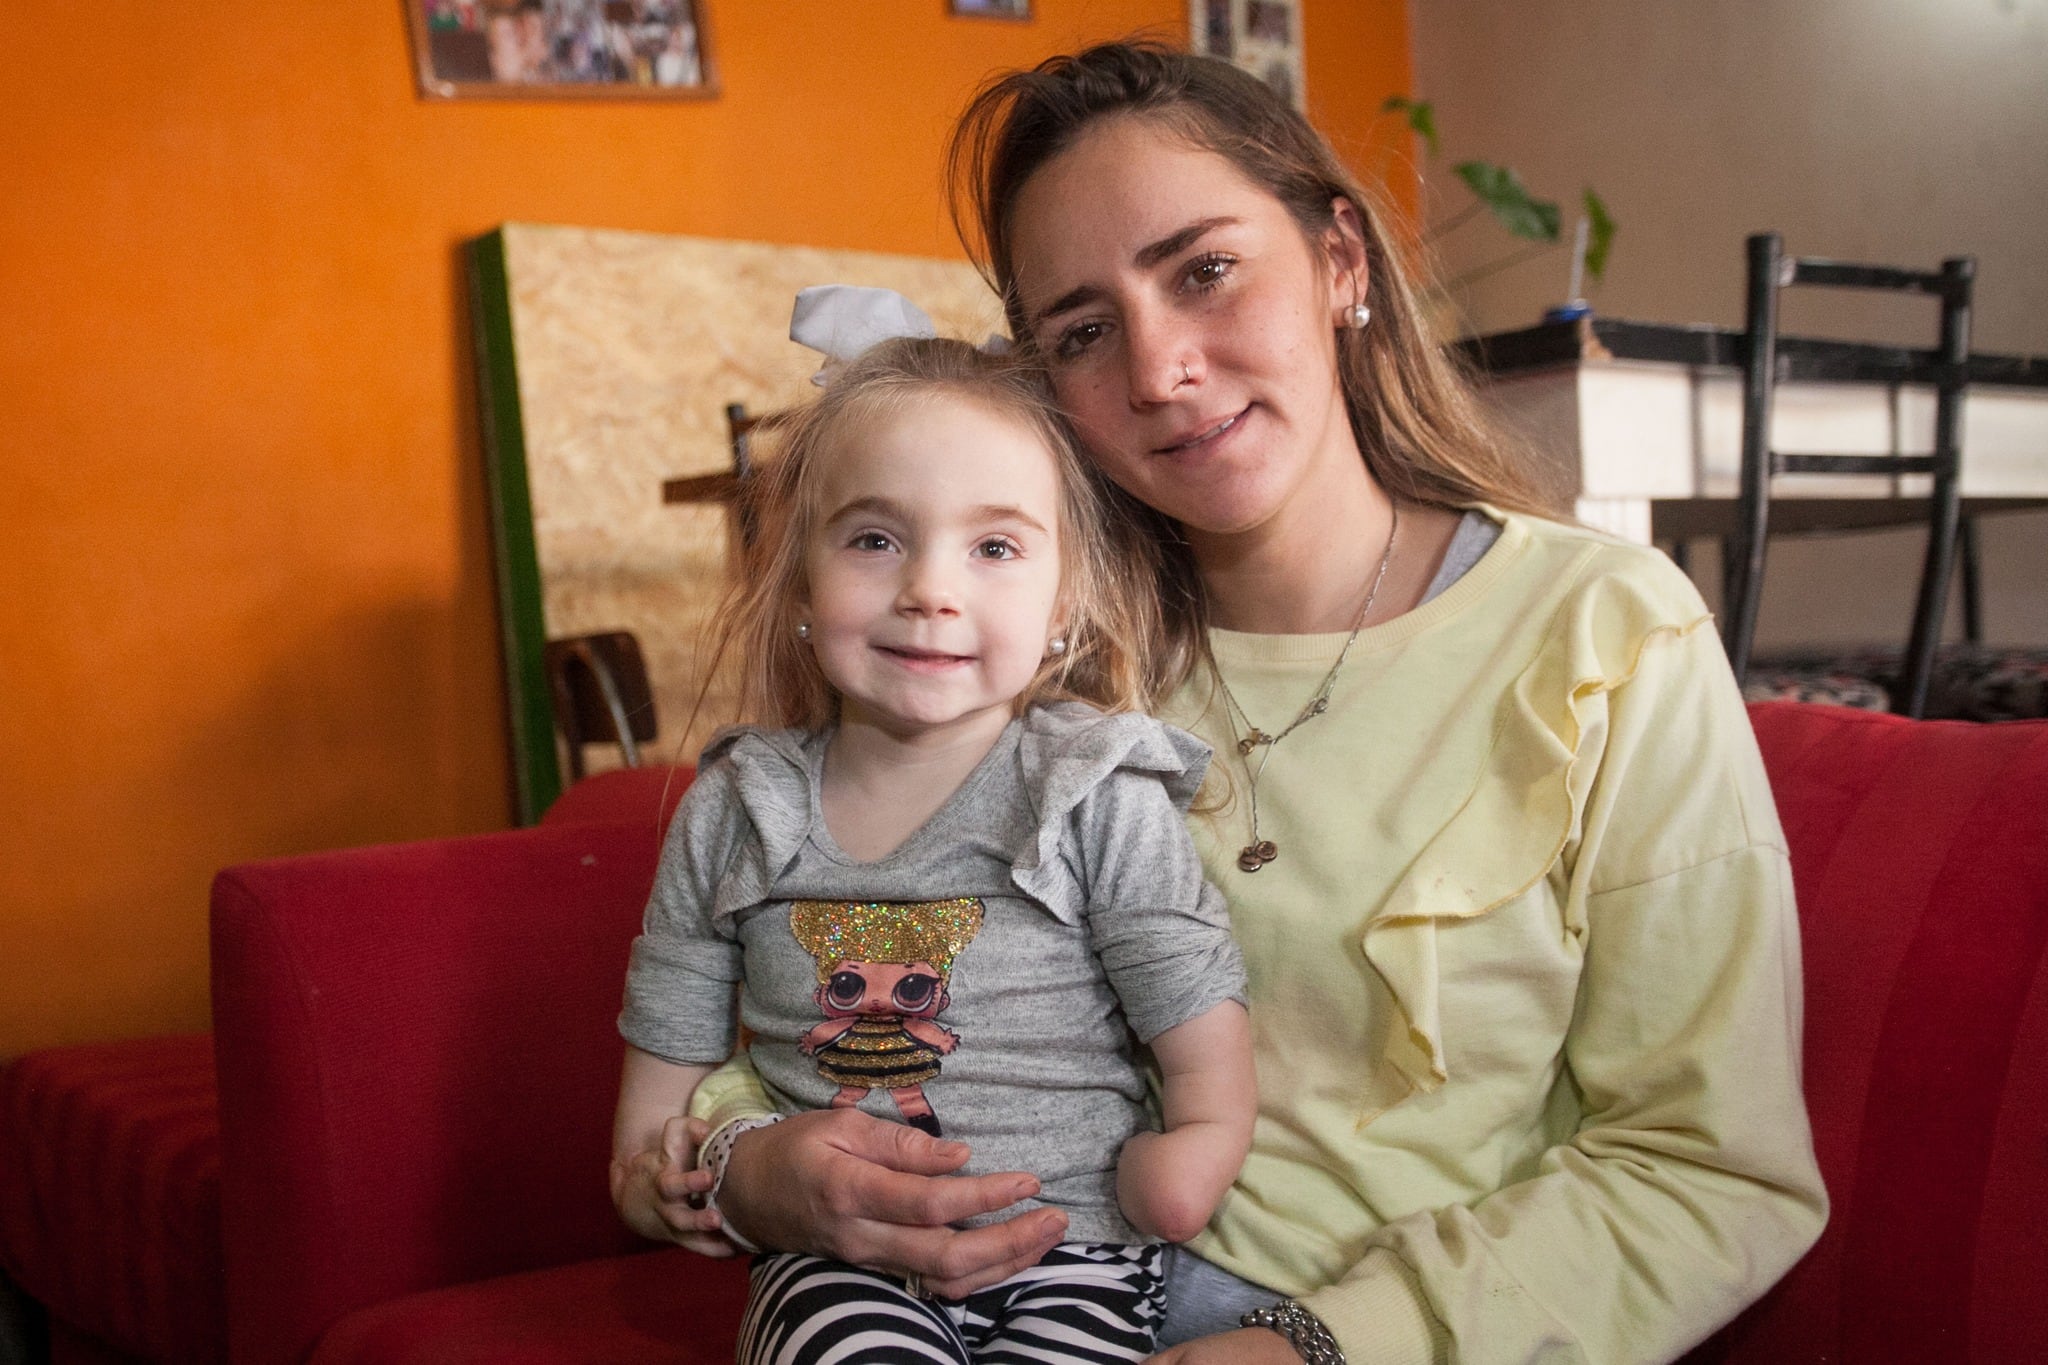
x: 934, y: 567
x: 1190, y: 327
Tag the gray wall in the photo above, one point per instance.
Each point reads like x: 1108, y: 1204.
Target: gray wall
x: 1885, y: 130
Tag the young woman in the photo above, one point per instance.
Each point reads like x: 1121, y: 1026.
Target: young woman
x: 1511, y: 891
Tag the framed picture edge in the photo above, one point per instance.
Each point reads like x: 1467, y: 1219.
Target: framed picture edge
x: 953, y: 11
x: 432, y: 87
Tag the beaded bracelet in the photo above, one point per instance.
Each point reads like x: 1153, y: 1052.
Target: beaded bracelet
x: 1304, y: 1331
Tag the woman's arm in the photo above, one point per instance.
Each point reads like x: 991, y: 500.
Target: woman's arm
x: 844, y: 1184
x: 856, y: 1188
x: 1169, y: 1183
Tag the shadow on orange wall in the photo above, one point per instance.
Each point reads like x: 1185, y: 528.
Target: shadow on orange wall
x: 246, y: 564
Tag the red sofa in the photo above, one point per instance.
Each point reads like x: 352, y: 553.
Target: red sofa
x: 417, y: 1062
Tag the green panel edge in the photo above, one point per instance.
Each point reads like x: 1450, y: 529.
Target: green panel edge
x: 536, y: 771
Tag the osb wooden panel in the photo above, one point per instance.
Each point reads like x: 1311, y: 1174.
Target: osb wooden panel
x: 629, y: 347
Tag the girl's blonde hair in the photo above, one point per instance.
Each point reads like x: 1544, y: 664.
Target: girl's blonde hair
x: 1410, y: 403
x: 1107, y: 568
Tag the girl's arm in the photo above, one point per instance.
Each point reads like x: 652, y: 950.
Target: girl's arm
x: 654, y: 1150
x: 1169, y: 1183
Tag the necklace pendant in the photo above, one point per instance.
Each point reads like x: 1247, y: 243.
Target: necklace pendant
x: 1255, y: 856
x: 1253, y: 741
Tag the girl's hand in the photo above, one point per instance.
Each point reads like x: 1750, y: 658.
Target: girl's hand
x: 847, y: 1185
x: 1245, y: 1346
x: 659, y: 1192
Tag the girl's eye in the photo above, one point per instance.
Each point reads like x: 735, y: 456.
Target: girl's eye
x: 873, y: 541
x: 1077, y: 338
x: 997, y: 547
x: 1206, y: 272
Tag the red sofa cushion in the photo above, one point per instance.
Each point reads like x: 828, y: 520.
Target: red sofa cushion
x: 1920, y: 857
x: 110, y: 1205
x: 663, y: 1308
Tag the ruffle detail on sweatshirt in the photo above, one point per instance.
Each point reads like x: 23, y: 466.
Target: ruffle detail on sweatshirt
x: 1523, y: 810
x: 769, y: 771
x: 1068, y: 749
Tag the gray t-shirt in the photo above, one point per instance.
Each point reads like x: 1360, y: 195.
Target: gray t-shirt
x: 1049, y: 918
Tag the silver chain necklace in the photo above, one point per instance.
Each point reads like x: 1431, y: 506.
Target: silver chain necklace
x: 1259, y: 852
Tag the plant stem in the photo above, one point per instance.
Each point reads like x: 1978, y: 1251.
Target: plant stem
x: 1454, y: 222
x: 1529, y: 253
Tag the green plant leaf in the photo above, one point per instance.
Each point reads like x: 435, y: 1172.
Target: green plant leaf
x: 1500, y: 189
x: 1421, y: 117
x: 1599, y: 234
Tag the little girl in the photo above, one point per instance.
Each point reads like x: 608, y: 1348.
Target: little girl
x: 948, y: 875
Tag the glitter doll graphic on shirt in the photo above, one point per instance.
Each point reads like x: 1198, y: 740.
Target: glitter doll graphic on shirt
x: 884, y: 968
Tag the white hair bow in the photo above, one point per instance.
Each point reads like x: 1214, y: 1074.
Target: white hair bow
x: 840, y: 321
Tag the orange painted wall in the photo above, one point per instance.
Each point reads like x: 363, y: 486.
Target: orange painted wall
x: 245, y: 563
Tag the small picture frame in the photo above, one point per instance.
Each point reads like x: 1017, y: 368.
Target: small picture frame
x: 1260, y: 36
x: 990, y: 9
x: 561, y: 49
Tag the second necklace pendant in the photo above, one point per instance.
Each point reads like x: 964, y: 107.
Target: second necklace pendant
x: 1255, y: 856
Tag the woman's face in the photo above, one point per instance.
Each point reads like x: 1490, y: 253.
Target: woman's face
x: 1190, y: 326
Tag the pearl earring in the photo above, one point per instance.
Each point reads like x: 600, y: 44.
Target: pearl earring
x: 803, y: 630
x: 1356, y: 316
x: 1056, y: 646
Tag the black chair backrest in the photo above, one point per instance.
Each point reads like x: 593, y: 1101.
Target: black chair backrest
x: 601, y: 694
x: 1767, y: 359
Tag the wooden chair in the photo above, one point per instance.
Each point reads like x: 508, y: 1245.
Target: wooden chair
x: 1945, y: 369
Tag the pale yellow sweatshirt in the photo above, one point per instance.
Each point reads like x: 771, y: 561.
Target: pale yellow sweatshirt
x: 1524, y: 976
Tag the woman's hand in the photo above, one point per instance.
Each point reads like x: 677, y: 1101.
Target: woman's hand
x: 1246, y: 1346
x: 847, y: 1185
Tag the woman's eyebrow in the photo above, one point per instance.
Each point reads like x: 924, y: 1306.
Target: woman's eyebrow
x: 1145, y: 258
x: 1174, y: 244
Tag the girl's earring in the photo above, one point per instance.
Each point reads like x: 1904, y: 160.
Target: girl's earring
x: 1056, y: 646
x: 1356, y: 316
x: 803, y: 630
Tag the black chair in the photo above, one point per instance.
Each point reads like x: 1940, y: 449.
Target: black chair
x: 1766, y: 361
x: 601, y: 695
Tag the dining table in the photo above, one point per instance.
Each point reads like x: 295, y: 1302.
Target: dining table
x: 1642, y: 423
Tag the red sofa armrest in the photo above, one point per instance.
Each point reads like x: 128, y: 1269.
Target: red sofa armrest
x: 418, y: 1063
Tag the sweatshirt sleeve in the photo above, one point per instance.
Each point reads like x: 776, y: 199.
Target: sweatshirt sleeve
x: 1688, y: 1185
x: 734, y: 1091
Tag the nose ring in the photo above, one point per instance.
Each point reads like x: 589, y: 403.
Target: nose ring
x: 1187, y: 376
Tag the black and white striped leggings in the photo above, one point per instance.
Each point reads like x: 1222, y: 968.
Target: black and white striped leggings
x: 1083, y: 1302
